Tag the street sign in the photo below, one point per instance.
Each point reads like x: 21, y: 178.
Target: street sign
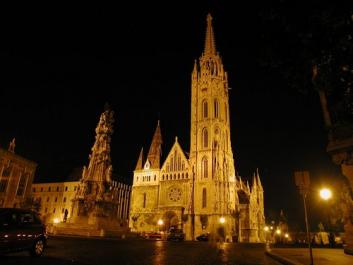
x: 302, y: 180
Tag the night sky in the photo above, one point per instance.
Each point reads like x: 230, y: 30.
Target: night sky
x: 61, y: 64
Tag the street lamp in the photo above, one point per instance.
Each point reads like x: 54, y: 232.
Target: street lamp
x: 160, y: 222
x: 222, y: 220
x: 325, y: 194
x: 266, y: 228
x: 278, y: 231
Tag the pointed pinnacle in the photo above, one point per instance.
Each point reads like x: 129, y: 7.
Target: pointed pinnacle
x: 210, y: 46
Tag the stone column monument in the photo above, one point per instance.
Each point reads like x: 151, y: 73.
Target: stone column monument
x: 94, y: 208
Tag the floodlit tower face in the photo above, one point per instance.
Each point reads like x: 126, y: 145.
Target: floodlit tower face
x: 211, y: 155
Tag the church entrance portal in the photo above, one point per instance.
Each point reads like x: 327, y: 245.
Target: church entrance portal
x: 171, y: 220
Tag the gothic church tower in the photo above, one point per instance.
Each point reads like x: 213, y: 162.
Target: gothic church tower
x: 199, y: 192
x: 211, y: 156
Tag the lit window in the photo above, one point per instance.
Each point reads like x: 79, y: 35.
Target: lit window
x: 22, y: 185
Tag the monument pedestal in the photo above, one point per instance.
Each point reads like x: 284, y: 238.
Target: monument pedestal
x: 92, y: 218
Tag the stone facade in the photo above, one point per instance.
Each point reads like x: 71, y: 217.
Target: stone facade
x: 199, y: 192
x: 16, y: 177
x: 54, y: 199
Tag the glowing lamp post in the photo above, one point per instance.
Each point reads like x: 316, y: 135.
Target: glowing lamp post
x: 160, y: 222
x: 325, y: 194
x: 222, y: 220
x: 56, y: 221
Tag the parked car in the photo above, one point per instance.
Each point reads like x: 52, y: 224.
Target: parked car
x: 175, y: 235
x: 21, y: 230
x: 152, y: 235
x: 203, y: 237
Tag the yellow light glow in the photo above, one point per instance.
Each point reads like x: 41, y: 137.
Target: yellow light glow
x: 286, y: 235
x: 325, y: 194
x: 222, y: 220
x: 160, y: 222
x: 271, y: 227
x: 56, y: 221
x: 278, y: 232
x: 266, y: 228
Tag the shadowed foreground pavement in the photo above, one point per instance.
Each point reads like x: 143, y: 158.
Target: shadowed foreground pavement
x: 322, y: 256
x: 132, y: 252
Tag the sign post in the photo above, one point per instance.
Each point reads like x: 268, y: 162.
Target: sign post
x: 302, y: 180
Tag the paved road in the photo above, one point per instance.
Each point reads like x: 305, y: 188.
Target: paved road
x: 322, y: 256
x: 79, y: 251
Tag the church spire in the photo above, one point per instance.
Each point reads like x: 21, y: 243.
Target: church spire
x: 155, y: 152
x: 140, y: 160
x: 210, y: 46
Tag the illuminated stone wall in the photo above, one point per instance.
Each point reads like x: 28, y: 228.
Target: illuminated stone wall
x: 16, y: 177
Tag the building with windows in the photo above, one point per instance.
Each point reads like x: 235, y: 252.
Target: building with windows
x: 54, y: 200
x: 16, y: 177
x: 199, y: 191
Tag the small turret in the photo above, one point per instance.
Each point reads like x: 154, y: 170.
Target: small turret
x: 258, y: 180
x: 254, y: 183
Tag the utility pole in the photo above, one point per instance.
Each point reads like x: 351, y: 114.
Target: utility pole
x: 302, y: 180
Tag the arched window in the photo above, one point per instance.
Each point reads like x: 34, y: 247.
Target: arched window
x: 204, y: 198
x: 216, y: 109
x: 204, y: 109
x: 144, y: 200
x: 205, y: 138
x: 204, y: 167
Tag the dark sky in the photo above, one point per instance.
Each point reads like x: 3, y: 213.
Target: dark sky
x: 60, y: 64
